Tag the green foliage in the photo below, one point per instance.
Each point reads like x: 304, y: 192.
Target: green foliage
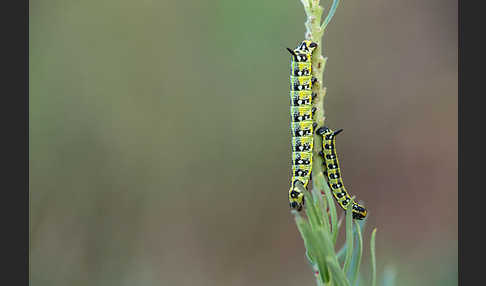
x: 319, y: 229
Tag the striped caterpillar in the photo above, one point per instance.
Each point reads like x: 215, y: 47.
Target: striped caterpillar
x: 302, y: 126
x: 333, y: 172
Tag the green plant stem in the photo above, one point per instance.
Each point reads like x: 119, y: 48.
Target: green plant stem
x: 373, y: 258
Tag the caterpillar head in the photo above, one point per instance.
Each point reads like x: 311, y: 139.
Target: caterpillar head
x: 303, y: 51
x: 359, y: 212
x: 306, y: 47
x: 296, y: 197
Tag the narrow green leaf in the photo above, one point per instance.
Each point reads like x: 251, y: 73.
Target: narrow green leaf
x: 340, y: 222
x: 338, y: 276
x: 310, y: 260
x: 342, y: 251
x: 362, y: 224
x: 303, y: 227
x: 332, y: 213
x: 305, y: 3
x: 330, y: 14
x: 357, y: 259
x: 311, y: 211
x: 349, y: 238
x: 373, y: 258
x: 322, y: 207
x: 325, y: 248
x: 299, y: 221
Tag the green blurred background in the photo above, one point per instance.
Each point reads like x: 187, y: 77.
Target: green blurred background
x: 159, y: 138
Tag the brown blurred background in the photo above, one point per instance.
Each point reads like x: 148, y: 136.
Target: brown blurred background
x: 159, y: 139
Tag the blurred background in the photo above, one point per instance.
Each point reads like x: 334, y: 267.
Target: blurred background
x: 159, y: 139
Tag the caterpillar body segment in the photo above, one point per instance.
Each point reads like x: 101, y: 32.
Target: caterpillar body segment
x: 298, y: 83
x: 302, y: 144
x: 301, y: 126
x: 300, y: 69
x: 333, y: 172
x: 302, y: 113
x: 298, y: 98
x: 302, y: 158
x: 301, y: 172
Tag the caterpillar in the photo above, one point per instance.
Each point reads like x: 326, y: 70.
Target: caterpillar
x: 333, y: 172
x: 301, y: 126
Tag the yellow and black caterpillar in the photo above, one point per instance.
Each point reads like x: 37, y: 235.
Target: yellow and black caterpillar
x: 333, y: 172
x: 302, y: 126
